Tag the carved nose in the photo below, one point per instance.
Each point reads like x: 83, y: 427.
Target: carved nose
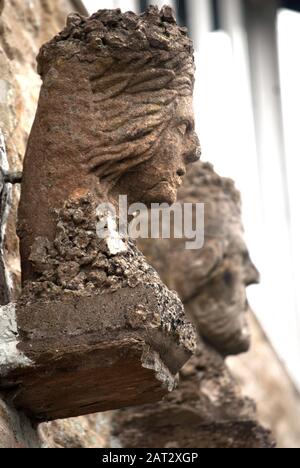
x: 252, y: 275
x: 193, y: 151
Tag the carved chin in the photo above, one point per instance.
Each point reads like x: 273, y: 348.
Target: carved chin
x: 163, y: 192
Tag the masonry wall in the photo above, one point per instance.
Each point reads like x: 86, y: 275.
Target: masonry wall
x: 24, y: 26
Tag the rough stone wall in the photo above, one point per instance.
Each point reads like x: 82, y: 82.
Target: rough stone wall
x: 16, y: 431
x: 92, y: 431
x: 24, y: 26
x: 263, y: 377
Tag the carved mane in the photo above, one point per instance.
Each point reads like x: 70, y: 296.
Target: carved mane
x: 140, y: 65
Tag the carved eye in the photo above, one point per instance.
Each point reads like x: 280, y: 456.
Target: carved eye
x: 228, y: 278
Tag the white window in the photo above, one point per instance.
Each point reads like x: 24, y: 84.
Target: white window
x: 266, y: 172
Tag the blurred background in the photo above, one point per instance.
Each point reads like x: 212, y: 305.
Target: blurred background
x: 247, y: 104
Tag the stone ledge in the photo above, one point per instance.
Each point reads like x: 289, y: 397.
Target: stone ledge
x: 86, y: 354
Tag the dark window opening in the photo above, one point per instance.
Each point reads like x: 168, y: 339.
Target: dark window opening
x: 291, y: 4
x: 216, y: 14
x: 143, y: 5
x: 182, y: 12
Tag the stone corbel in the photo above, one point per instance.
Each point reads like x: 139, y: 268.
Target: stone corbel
x: 95, y: 328
x: 66, y: 353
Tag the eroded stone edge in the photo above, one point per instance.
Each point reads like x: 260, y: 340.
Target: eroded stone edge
x: 151, y: 360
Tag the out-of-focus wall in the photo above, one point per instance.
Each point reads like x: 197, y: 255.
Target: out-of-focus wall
x: 264, y: 378
x: 24, y: 27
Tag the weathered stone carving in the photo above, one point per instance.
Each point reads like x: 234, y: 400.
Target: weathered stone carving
x: 98, y: 326
x: 114, y: 117
x: 207, y: 410
x: 211, y: 281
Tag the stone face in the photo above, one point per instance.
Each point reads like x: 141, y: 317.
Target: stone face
x: 100, y: 329
x: 207, y: 409
x: 210, y: 281
x: 116, y: 102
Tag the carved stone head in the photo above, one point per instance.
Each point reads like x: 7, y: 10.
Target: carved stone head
x: 114, y: 116
x: 211, y: 281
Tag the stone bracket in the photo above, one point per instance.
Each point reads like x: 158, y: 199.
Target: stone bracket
x: 80, y: 355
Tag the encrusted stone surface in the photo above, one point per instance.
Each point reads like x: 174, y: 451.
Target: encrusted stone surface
x: 118, y: 108
x: 99, y: 330
x: 80, y: 264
